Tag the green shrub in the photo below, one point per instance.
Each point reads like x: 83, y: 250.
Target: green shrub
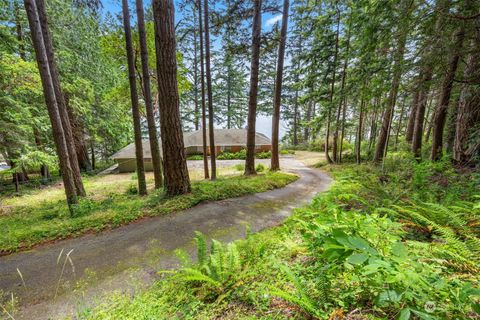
x: 260, y: 167
x: 240, y: 155
x: 195, y: 157
x: 264, y: 155
x: 216, y: 271
x: 132, y: 189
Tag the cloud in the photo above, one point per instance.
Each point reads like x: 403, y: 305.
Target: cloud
x: 273, y: 20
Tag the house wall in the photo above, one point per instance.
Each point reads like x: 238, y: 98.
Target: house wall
x: 130, y: 165
x: 219, y: 149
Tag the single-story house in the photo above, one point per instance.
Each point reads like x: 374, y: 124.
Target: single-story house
x: 226, y: 140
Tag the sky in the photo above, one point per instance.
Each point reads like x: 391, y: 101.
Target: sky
x: 264, y: 123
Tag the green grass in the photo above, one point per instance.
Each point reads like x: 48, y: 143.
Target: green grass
x: 42, y: 215
x: 396, y: 244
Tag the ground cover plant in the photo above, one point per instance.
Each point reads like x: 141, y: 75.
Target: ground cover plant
x: 42, y: 215
x: 400, y: 242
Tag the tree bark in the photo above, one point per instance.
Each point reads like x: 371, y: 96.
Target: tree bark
x: 308, y: 118
x: 62, y: 108
x: 177, y: 180
x: 19, y: 30
x: 202, y: 82
x: 468, y: 106
x: 420, y: 114
x: 275, y: 162
x: 358, y: 140
x: 142, y: 186
x: 253, y: 94
x: 92, y: 153
x: 295, y: 119
x: 342, y: 103
x: 211, y: 131
x: 411, y: 117
x: 382, y: 144
x: 440, y: 113
x: 78, y: 137
x: 196, y: 119
x: 152, y: 128
x: 332, y: 92
x: 51, y: 102
x: 399, y: 124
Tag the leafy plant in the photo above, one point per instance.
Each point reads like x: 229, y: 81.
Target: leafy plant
x: 260, y: 167
x: 216, y: 271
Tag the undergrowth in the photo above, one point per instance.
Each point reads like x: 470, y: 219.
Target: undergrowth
x: 397, y: 243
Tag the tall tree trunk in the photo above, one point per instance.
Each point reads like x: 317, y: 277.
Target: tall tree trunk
x: 275, y: 162
x: 399, y: 124
x: 342, y: 130
x: 468, y: 106
x: 152, y: 128
x: 411, y: 116
x: 374, y: 124
x: 440, y: 113
x: 177, y: 180
x: 229, y: 96
x: 196, y: 119
x: 332, y: 92
x: 253, y: 94
x: 337, y: 158
x: 429, y: 119
x: 420, y: 116
x: 51, y: 102
x: 308, y: 118
x: 78, y: 137
x: 451, y: 124
x: 382, y: 144
x: 424, y: 85
x: 142, y: 186
x: 19, y: 30
x: 202, y: 82
x: 45, y: 174
x: 295, y: 119
x: 62, y: 108
x: 92, y: 153
x: 211, y: 131
x: 358, y: 140
x: 296, y: 114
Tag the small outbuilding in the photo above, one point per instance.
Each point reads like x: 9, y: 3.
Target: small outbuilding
x: 226, y: 140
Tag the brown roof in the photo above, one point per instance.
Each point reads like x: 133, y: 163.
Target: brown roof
x: 223, y: 137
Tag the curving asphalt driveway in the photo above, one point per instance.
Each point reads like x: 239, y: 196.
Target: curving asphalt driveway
x: 128, y: 257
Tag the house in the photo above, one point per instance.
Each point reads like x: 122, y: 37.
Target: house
x: 226, y: 140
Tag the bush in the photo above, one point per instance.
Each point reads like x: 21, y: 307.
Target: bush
x: 240, y: 155
x: 132, y: 189
x: 264, y: 155
x: 287, y: 151
x: 260, y: 167
x: 195, y: 157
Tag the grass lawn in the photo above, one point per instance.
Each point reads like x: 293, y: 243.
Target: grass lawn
x: 41, y: 215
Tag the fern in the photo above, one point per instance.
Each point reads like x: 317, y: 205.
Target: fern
x: 201, y: 248
x: 220, y: 268
x: 300, y: 298
x: 190, y: 274
x: 459, y: 243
